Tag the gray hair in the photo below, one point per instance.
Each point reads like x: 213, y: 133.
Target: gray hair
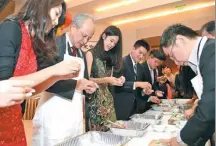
x: 79, y: 19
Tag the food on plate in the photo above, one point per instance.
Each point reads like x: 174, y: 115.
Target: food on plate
x: 159, y: 143
x: 165, y: 107
x: 176, y: 118
x: 171, y: 121
x: 161, y: 107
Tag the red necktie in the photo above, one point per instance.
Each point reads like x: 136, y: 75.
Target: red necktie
x: 169, y: 91
x: 74, y: 51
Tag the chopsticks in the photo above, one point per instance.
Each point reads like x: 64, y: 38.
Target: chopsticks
x: 116, y: 124
x: 112, y: 72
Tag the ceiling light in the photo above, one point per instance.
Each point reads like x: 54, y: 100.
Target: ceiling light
x: 116, y: 5
x: 164, y: 13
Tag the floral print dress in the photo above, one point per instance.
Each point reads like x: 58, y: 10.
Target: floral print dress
x: 101, y: 104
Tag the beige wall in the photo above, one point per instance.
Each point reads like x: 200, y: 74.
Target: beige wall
x: 155, y: 27
x: 193, y: 19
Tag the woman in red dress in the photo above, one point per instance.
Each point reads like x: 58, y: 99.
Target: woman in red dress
x: 23, y: 39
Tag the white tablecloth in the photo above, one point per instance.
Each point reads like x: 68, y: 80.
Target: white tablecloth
x: 150, y: 134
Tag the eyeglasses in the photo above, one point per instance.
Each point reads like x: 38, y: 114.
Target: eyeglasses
x: 171, y: 55
x: 84, y: 36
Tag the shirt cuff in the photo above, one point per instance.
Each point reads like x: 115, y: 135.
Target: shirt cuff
x: 179, y: 140
x: 149, y: 99
x: 134, y: 87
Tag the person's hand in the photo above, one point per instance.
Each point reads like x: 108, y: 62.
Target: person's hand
x: 196, y: 102
x: 15, y: 91
x: 159, y: 93
x: 191, y: 101
x: 162, y: 79
x: 143, y: 85
x: 121, y: 79
x: 147, y: 91
x: 89, y: 86
x: 155, y: 99
x: 114, y: 81
x: 67, y: 69
x: 173, y: 142
x: 189, y: 113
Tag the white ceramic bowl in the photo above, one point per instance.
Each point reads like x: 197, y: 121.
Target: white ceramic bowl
x: 159, y: 128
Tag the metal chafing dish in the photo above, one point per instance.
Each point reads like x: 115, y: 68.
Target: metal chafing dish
x: 94, y: 138
x: 150, y: 118
x: 132, y: 129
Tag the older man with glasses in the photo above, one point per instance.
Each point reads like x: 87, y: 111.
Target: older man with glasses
x: 61, y: 114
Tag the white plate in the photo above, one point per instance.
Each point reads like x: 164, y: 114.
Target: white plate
x: 159, y: 128
x: 182, y: 101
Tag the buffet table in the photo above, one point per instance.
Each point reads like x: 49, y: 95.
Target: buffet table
x: 145, y: 130
x: 151, y: 134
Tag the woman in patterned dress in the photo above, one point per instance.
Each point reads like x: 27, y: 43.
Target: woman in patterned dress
x: 24, y: 38
x: 102, y: 61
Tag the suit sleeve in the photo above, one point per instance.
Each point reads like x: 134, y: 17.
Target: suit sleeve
x: 144, y: 79
x: 202, y: 125
x: 128, y: 86
x: 10, y: 41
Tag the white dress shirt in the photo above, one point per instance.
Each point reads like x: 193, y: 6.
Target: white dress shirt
x: 152, y: 73
x: 134, y: 63
x: 68, y: 41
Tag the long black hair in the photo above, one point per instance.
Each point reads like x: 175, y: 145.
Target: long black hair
x: 37, y: 15
x: 112, y: 57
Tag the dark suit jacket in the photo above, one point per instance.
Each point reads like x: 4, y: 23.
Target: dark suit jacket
x: 124, y: 97
x: 201, y: 126
x: 162, y: 87
x: 142, y: 105
x: 66, y: 88
x: 147, y: 76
